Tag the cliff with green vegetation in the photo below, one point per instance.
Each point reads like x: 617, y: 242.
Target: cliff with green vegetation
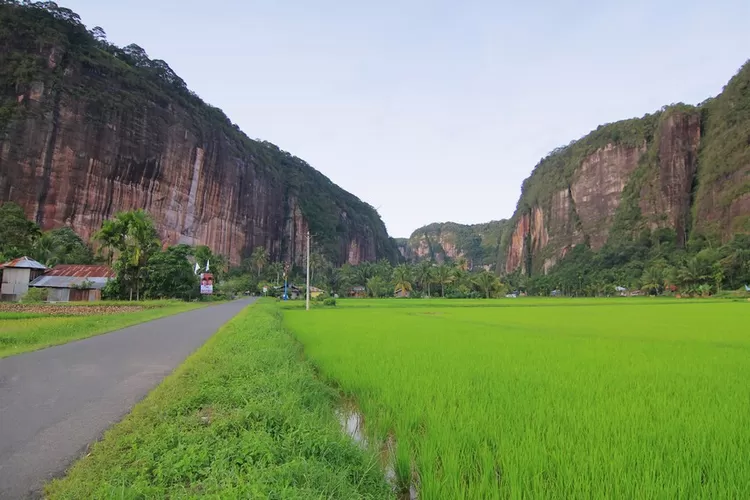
x: 680, y: 175
x: 477, y: 243
x: 88, y: 129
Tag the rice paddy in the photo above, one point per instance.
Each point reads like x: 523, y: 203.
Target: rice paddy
x: 528, y: 398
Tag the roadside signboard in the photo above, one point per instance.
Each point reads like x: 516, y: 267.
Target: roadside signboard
x: 207, y: 284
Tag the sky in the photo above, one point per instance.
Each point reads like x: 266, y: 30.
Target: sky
x: 433, y: 111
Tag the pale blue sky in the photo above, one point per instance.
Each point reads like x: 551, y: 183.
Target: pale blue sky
x: 433, y: 111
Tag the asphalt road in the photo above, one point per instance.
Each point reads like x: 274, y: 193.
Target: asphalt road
x: 55, y: 402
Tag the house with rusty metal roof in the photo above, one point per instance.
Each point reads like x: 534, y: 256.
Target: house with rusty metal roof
x: 74, y: 282
x: 17, y: 274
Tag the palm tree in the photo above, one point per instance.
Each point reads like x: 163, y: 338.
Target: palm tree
x: 487, y: 282
x: 462, y: 263
x: 652, y: 280
x: 45, y: 251
x: 424, y: 275
x: 363, y: 272
x: 376, y: 286
x: 276, y: 268
x: 402, y: 278
x: 460, y: 276
x: 134, y: 236
x: 259, y: 259
x: 317, y: 261
x: 443, y: 274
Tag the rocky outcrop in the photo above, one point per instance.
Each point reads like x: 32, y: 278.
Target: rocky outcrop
x: 477, y: 243
x: 621, y: 179
x: 94, y: 132
x: 665, y: 198
x: 597, y: 188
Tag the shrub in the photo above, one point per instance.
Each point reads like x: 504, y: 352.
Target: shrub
x: 35, y: 295
x: 330, y: 301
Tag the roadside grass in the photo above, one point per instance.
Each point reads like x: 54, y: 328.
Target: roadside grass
x: 609, y: 398
x: 244, y: 417
x: 29, y: 331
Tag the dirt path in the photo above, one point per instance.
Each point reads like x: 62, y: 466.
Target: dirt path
x: 57, y: 401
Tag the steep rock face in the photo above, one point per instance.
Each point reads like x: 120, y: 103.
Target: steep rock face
x: 665, y: 200
x: 597, y: 188
x: 684, y: 169
x: 91, y: 133
x: 722, y: 198
x: 620, y: 179
x: 478, y: 243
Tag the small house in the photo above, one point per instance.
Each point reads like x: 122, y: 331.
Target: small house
x: 401, y: 292
x: 358, y: 291
x: 17, y: 274
x: 74, y: 283
x: 315, y: 291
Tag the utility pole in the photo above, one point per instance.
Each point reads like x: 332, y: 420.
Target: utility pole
x: 307, y: 288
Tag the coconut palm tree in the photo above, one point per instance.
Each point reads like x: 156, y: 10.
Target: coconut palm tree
x: 462, y: 263
x: 443, y: 275
x: 276, y: 268
x: 487, y: 282
x: 259, y: 259
x: 402, y: 278
x: 424, y: 275
x: 377, y: 287
x: 133, y: 235
x: 652, y: 279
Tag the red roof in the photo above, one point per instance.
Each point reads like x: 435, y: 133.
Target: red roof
x: 81, y: 271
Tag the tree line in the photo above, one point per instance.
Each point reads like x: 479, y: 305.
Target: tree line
x: 652, y: 263
x: 146, y: 268
x: 129, y: 243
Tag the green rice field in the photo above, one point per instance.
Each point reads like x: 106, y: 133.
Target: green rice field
x: 546, y: 398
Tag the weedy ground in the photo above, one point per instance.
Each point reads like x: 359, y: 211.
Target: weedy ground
x: 547, y: 398
x: 30, y: 328
x: 243, y: 417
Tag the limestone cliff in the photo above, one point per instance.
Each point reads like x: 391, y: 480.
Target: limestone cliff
x: 88, y: 129
x: 478, y: 243
x: 684, y: 169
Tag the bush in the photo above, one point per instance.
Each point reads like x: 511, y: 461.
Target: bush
x: 35, y: 295
x: 329, y: 302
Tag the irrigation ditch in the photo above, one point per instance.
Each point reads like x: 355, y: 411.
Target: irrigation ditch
x: 352, y: 422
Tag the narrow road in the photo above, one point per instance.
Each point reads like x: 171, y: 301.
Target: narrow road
x: 57, y: 401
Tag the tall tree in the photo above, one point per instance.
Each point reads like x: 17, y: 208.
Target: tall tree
x: 424, y: 275
x: 462, y: 263
x: 62, y: 246
x: 17, y: 233
x: 277, y: 269
x: 487, y: 283
x: 317, y: 263
x: 169, y: 274
x: 402, y: 278
x: 259, y: 259
x: 377, y: 287
x: 443, y: 275
x: 133, y: 236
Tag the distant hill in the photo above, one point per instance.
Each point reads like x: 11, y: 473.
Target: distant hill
x: 478, y: 243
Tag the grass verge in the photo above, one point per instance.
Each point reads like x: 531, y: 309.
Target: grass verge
x: 243, y: 417
x: 24, y: 332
